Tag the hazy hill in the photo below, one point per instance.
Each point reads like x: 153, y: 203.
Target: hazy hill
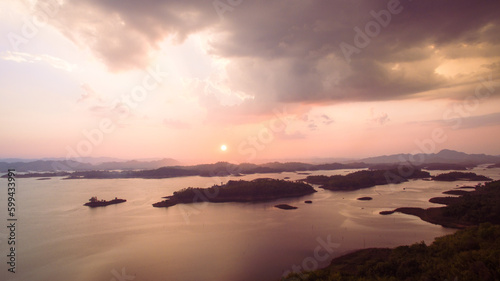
x: 137, y: 165
x: 444, y: 156
x: 70, y: 165
x: 46, y: 166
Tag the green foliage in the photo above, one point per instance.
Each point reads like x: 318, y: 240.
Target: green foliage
x: 478, y: 206
x: 469, y: 254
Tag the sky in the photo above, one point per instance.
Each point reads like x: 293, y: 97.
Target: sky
x: 267, y: 79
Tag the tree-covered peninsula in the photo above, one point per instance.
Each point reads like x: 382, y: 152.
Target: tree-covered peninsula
x: 472, y: 253
x: 469, y: 254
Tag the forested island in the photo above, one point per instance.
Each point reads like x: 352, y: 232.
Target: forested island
x: 369, y: 178
x: 94, y: 202
x: 239, y: 191
x: 364, y: 179
x: 460, y: 176
x: 472, y: 253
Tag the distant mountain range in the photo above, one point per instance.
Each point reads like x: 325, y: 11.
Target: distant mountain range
x: 445, y: 156
x: 90, y: 160
x: 71, y: 165
x: 444, y: 160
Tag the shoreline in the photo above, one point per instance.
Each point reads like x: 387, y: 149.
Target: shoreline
x: 476, y: 216
x: 432, y: 215
x: 443, y: 215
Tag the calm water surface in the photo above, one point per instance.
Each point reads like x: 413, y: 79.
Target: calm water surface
x: 60, y: 239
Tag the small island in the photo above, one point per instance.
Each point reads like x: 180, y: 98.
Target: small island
x: 94, y: 202
x: 239, y: 191
x: 460, y: 176
x: 285, y: 207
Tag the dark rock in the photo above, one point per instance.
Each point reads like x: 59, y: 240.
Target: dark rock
x: 285, y: 207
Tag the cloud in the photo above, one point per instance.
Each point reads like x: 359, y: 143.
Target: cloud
x: 315, y: 122
x: 99, y: 107
x: 21, y: 57
x: 312, y: 126
x: 125, y: 34
x: 326, y: 119
x: 378, y: 118
x: 298, y: 59
x: 88, y: 94
x: 214, y: 92
x: 289, y: 51
x: 118, y: 112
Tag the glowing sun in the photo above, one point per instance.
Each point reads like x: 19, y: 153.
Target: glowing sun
x: 223, y: 147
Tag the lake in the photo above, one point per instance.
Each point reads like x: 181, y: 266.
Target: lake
x: 57, y: 238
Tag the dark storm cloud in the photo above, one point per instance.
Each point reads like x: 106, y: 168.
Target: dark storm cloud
x: 290, y: 51
x: 294, y: 52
